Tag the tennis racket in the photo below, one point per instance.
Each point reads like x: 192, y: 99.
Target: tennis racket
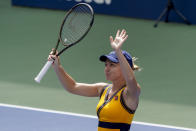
x: 76, y: 24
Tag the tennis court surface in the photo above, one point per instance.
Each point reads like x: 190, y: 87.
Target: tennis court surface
x: 20, y: 118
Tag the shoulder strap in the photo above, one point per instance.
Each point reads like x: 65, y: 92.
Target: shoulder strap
x: 103, y: 90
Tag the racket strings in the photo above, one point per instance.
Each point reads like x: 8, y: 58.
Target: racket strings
x: 76, y: 24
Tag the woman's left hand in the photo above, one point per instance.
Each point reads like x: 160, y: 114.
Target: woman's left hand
x: 119, y: 39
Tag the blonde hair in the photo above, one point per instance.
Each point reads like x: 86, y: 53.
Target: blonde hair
x: 135, y: 67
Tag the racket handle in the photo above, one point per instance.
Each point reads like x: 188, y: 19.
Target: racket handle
x: 43, y: 71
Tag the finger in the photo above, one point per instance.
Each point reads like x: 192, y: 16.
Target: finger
x: 51, y: 57
x: 125, y: 38
x: 54, y: 51
x: 117, y: 34
x: 111, y: 39
x: 122, y: 33
x: 51, y: 52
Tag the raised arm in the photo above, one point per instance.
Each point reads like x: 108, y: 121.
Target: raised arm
x: 133, y: 89
x: 71, y: 85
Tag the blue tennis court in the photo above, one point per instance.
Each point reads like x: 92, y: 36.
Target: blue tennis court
x: 18, y: 118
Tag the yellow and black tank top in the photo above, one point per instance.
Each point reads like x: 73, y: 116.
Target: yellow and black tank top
x: 113, y: 113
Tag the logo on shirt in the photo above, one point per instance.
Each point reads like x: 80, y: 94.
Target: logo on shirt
x: 115, y: 98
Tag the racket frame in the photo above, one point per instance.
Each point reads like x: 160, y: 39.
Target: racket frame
x: 43, y: 71
x: 62, y: 41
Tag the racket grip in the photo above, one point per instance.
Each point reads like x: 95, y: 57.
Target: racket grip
x: 43, y: 71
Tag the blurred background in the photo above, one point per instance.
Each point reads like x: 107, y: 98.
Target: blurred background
x: 29, y: 30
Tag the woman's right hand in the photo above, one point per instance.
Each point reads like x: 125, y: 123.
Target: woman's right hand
x: 119, y: 39
x: 53, y: 57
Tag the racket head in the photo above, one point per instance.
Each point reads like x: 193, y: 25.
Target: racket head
x: 76, y: 24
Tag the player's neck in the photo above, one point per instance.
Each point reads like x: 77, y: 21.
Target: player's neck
x: 117, y: 85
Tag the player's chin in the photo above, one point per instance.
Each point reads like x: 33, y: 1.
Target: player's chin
x: 108, y: 77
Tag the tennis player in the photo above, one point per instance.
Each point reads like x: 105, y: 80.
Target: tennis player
x: 118, y: 100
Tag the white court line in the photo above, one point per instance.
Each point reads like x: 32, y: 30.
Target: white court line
x: 90, y: 116
x: 46, y: 110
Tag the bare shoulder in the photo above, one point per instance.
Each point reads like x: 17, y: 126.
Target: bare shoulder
x: 85, y: 89
x: 100, y: 86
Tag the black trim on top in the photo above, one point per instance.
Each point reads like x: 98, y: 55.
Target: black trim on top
x: 107, y: 100
x: 122, y: 101
x: 107, y: 94
x: 110, y: 125
x: 103, y: 91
